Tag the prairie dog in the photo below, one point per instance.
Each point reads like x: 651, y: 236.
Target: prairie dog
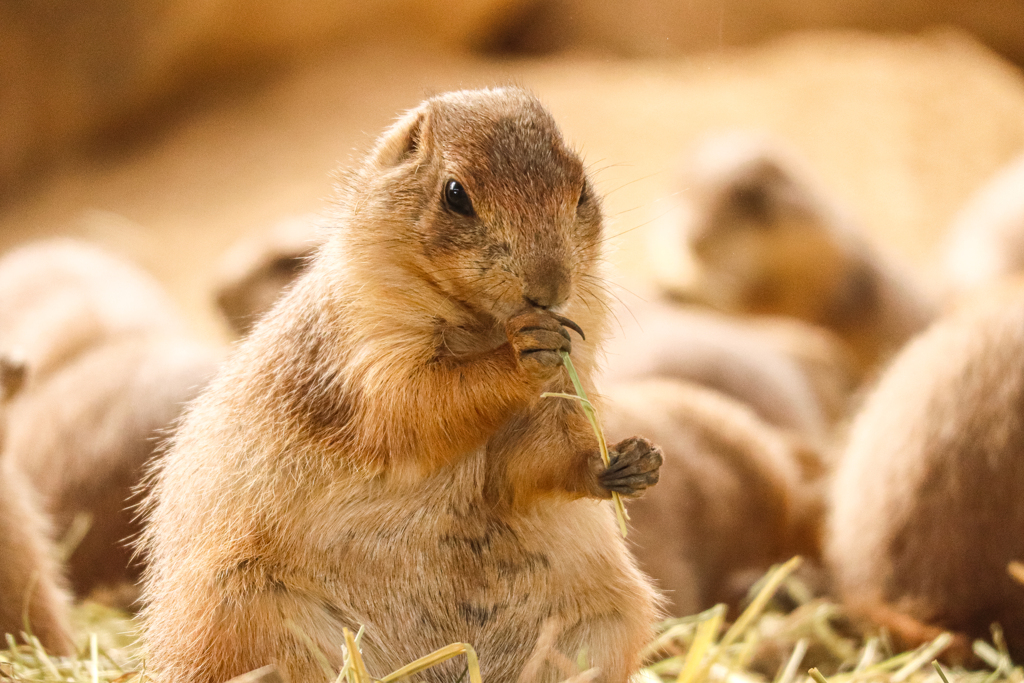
x: 927, y: 509
x: 255, y: 270
x: 755, y: 234
x: 793, y: 375
x: 735, y: 495
x: 110, y: 367
x: 31, y: 585
x: 986, y: 239
x: 376, y: 451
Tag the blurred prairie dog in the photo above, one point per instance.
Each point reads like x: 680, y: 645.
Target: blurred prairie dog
x: 793, y: 375
x: 929, y: 496
x: 735, y: 496
x: 377, y: 450
x: 755, y: 234
x: 986, y: 239
x: 254, y: 271
x: 110, y: 367
x: 31, y: 585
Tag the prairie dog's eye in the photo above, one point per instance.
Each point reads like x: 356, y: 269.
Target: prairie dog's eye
x: 457, y: 199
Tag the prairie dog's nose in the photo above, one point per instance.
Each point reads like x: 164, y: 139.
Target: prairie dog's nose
x: 546, y: 285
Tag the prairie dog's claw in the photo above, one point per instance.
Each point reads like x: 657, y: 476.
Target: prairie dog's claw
x: 562, y: 320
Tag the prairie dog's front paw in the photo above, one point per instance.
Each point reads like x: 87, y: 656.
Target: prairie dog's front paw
x: 635, y: 466
x: 537, y: 337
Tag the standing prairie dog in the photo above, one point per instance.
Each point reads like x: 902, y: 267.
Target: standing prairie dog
x: 735, y: 497
x: 377, y: 453
x: 754, y: 234
x: 986, y: 239
x: 110, y: 367
x: 929, y: 496
x: 32, y: 596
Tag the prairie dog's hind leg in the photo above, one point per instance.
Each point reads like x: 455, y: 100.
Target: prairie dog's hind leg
x: 272, y: 625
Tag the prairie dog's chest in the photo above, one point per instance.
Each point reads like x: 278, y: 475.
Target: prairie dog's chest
x: 442, y: 528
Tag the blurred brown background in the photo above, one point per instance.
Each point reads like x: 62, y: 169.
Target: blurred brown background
x: 166, y: 129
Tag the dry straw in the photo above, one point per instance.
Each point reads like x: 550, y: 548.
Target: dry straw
x: 591, y: 413
x: 694, y: 649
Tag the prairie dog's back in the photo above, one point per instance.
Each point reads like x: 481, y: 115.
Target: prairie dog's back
x: 793, y: 375
x: 927, y: 497
x: 63, y: 296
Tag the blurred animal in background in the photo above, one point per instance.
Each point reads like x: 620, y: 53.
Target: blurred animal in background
x: 736, y: 494
x: 32, y: 595
x: 254, y: 272
x: 754, y: 234
x: 986, y: 239
x: 928, y: 499
x: 110, y: 365
x: 793, y: 375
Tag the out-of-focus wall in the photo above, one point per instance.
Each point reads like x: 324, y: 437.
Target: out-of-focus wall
x: 662, y: 27
x: 79, y: 72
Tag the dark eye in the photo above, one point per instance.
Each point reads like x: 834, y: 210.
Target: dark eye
x: 457, y: 199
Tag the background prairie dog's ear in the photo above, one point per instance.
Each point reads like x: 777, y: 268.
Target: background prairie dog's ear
x: 403, y: 140
x: 12, y: 376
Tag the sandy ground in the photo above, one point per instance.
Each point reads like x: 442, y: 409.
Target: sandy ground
x: 901, y: 129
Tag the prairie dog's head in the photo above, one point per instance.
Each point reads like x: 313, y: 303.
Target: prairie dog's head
x: 751, y: 233
x: 476, y: 193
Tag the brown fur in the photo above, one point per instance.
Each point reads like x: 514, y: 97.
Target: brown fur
x: 735, y: 495
x: 377, y: 453
x: 32, y: 597
x: 789, y: 374
x: 986, y: 240
x: 927, y: 498
x: 756, y: 235
x: 256, y: 269
x: 111, y: 367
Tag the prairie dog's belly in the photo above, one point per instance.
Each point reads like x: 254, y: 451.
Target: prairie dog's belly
x: 425, y: 567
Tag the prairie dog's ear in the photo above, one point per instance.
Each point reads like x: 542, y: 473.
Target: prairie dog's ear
x: 12, y: 377
x: 403, y: 140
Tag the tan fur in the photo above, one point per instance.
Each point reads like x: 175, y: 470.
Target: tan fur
x: 111, y: 366
x: 928, y: 496
x: 789, y: 374
x: 755, y: 234
x: 377, y: 453
x: 32, y: 598
x: 255, y: 270
x: 986, y: 239
x: 735, y: 494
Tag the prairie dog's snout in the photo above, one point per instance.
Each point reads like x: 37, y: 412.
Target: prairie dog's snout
x: 547, y: 284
